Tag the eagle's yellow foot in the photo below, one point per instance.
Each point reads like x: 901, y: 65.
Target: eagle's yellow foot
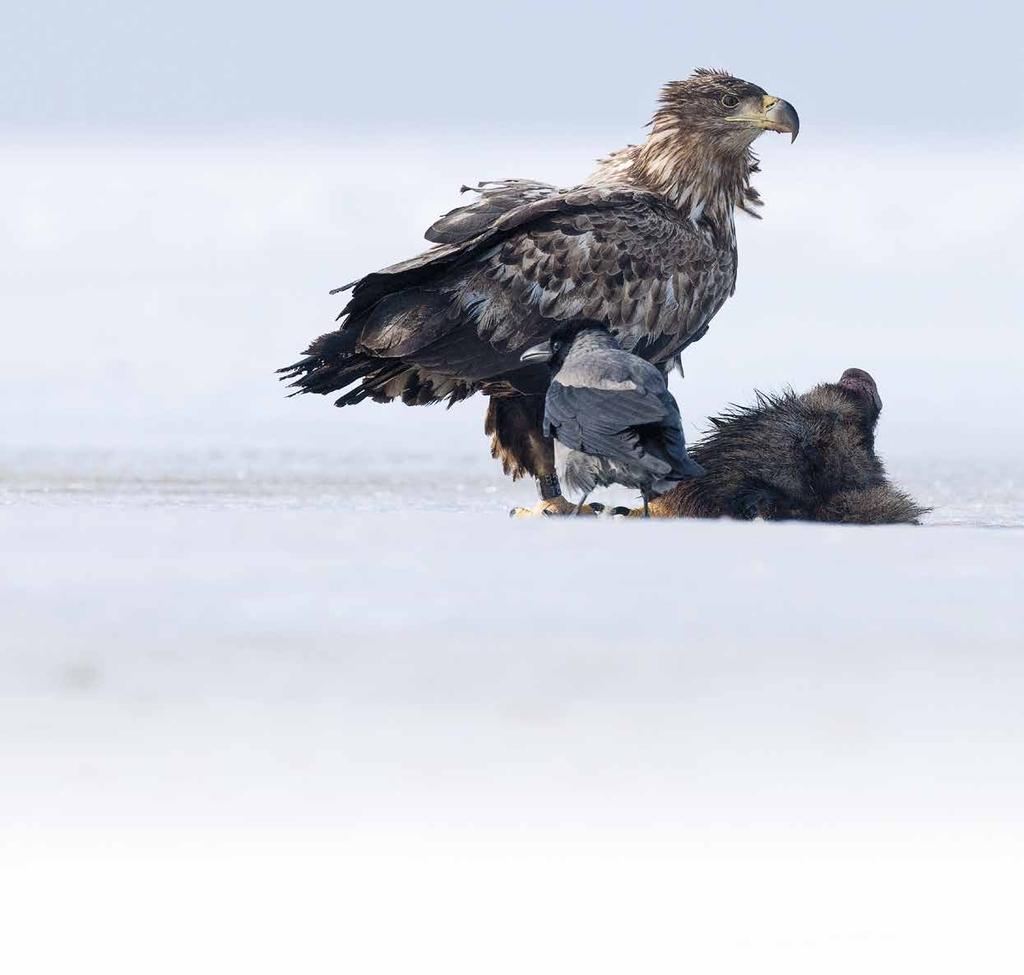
x: 555, y: 507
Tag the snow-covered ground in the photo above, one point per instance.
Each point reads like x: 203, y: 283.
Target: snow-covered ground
x: 282, y: 688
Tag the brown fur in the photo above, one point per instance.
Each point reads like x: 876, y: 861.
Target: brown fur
x: 809, y: 457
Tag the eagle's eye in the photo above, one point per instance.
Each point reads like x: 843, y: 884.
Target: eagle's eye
x: 730, y: 101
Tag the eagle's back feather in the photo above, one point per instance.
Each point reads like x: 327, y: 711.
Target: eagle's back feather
x: 496, y: 198
x: 522, y: 263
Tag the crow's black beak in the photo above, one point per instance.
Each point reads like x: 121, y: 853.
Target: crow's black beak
x: 539, y: 353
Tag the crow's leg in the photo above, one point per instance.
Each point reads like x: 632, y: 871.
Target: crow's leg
x: 653, y: 507
x: 680, y: 502
x: 583, y: 501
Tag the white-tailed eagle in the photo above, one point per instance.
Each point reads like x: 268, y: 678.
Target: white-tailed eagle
x: 645, y: 247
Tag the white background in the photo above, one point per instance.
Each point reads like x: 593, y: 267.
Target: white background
x: 281, y: 688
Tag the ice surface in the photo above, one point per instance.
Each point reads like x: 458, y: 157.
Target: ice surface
x: 282, y: 688
x: 299, y: 712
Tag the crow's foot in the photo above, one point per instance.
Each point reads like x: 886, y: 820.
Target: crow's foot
x: 655, y: 510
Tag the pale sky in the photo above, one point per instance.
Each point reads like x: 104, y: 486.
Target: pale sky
x: 889, y: 68
x: 328, y: 139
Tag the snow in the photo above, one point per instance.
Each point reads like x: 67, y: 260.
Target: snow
x: 282, y: 688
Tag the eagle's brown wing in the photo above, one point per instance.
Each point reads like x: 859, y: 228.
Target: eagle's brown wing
x: 458, y: 248
x: 495, y: 199
x: 639, y: 268
x: 444, y: 323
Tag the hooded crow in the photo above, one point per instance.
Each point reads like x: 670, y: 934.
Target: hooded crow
x: 612, y: 418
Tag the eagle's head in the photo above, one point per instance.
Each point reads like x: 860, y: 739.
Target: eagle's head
x: 698, y: 152
x: 726, y: 113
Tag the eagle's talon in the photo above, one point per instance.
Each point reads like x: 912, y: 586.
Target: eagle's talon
x: 556, y: 507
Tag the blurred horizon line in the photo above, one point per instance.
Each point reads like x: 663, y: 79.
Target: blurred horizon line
x: 881, y: 139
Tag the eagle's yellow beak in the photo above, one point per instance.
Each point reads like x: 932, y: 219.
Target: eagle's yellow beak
x: 775, y: 114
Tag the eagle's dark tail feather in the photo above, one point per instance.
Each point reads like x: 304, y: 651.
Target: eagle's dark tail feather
x: 313, y: 375
x: 332, y: 363
x: 329, y: 364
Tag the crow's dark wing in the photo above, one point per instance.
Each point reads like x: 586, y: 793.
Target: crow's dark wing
x: 604, y: 422
x: 668, y: 441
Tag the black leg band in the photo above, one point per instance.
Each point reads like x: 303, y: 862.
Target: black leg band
x: 548, y: 487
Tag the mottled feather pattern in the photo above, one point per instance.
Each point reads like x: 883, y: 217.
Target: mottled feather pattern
x: 637, y: 267
x: 496, y: 198
x: 611, y: 254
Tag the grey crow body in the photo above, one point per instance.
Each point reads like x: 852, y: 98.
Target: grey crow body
x: 612, y: 418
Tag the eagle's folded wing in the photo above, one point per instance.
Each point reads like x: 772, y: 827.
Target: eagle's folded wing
x: 462, y: 313
x: 611, y: 254
x: 496, y: 198
x: 636, y: 266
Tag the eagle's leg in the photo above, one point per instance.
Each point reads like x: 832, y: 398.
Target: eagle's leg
x: 516, y: 427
